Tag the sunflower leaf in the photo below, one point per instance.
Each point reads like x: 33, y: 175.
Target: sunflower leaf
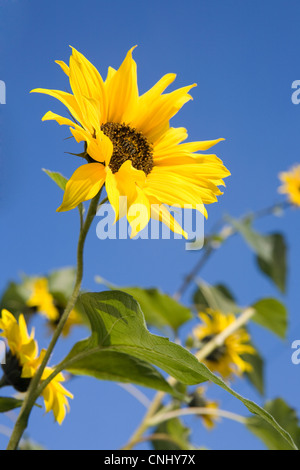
x: 271, y: 314
x: 216, y: 297
x: 7, y: 404
x: 178, y: 434
x: 285, y: 416
x: 118, y: 325
x: 160, y: 310
x: 276, y: 267
x: 270, y: 250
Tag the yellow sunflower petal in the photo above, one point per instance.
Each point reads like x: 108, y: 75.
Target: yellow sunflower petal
x: 84, y: 184
x: 67, y: 99
x: 122, y: 91
x: 50, y: 116
x: 155, y: 121
x: 160, y: 212
x: 63, y: 66
x: 94, y: 87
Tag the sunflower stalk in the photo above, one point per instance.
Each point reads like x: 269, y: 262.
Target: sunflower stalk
x: 162, y: 417
x: 34, y: 390
x: 152, y: 412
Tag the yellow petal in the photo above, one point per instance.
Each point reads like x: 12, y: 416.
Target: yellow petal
x: 50, y: 116
x: 94, y: 85
x: 63, y: 65
x: 123, y: 184
x: 84, y: 184
x: 139, y: 213
x: 67, y: 99
x: 160, y: 212
x: 122, y: 91
x: 154, y: 122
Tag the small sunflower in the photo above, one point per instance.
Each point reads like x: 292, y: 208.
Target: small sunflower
x: 41, y: 300
x: 225, y: 359
x: 291, y: 184
x: 130, y: 146
x: 22, y: 361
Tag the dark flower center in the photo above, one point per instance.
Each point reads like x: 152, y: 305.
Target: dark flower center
x: 129, y: 144
x: 218, y: 353
x: 12, y: 373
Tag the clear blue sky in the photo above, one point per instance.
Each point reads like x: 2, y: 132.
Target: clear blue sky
x: 244, y: 58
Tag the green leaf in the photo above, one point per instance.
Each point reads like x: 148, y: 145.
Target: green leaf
x: 178, y: 433
x: 115, y: 366
x: 260, y: 244
x: 256, y: 375
x: 118, y: 325
x: 276, y: 267
x: 160, y: 310
x: 271, y: 314
x: 270, y: 250
x: 285, y: 416
x: 58, y: 178
x: 216, y: 297
x: 7, y: 404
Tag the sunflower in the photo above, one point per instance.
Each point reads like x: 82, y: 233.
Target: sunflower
x: 225, y: 359
x: 291, y: 184
x: 41, y: 300
x: 22, y: 362
x: 130, y: 146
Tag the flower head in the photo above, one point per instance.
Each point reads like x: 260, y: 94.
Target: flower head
x: 225, y: 359
x: 291, y: 184
x: 130, y: 146
x: 22, y: 362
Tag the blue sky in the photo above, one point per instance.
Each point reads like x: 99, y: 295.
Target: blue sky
x: 244, y: 58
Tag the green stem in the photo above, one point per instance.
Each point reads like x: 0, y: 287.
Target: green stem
x: 32, y: 394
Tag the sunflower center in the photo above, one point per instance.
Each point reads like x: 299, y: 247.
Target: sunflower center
x: 129, y: 144
x: 218, y: 353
